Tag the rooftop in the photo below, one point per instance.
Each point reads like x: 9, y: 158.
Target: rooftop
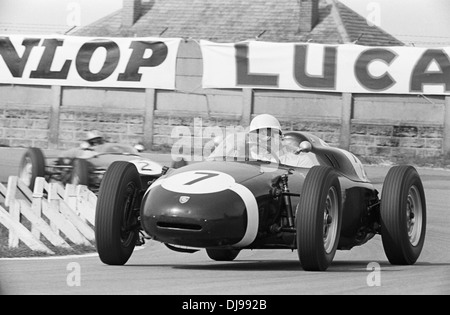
x: 232, y: 21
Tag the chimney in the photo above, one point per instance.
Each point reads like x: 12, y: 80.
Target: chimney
x: 309, y: 14
x: 131, y: 12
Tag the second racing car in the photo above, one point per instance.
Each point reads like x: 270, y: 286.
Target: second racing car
x: 85, y: 168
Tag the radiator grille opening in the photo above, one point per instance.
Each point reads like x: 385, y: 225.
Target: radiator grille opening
x: 180, y: 226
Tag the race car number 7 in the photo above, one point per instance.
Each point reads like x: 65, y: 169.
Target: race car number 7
x: 198, y: 182
x: 204, y: 176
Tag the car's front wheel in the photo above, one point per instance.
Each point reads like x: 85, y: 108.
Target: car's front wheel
x: 116, y: 221
x: 32, y: 165
x: 319, y: 219
x: 403, y: 215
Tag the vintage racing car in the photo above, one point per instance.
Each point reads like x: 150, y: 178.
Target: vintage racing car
x: 231, y: 202
x: 87, y: 168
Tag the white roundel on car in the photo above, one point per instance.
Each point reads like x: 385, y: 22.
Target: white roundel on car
x: 198, y: 182
x: 146, y: 167
x: 209, y: 182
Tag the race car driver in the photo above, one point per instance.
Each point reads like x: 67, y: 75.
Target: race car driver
x: 93, y: 139
x: 269, y: 144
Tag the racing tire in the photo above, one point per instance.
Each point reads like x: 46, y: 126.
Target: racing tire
x: 403, y: 215
x: 32, y: 165
x: 222, y: 254
x: 319, y: 219
x: 80, y: 172
x: 115, y: 211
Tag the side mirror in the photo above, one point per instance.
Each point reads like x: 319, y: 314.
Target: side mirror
x: 139, y: 147
x: 305, y: 147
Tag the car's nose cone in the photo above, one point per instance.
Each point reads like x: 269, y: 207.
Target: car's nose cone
x: 195, y: 220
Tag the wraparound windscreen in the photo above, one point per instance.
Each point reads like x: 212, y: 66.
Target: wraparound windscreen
x: 326, y: 68
x: 89, y: 62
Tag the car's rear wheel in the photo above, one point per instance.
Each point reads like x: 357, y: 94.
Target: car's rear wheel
x: 80, y: 172
x: 319, y: 219
x: 222, y: 254
x: 403, y: 215
x: 116, y: 222
x: 32, y: 165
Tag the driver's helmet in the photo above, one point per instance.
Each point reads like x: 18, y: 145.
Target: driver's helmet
x: 94, y: 137
x: 265, y: 126
x: 265, y: 121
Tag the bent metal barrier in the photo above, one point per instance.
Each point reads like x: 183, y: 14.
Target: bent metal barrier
x: 63, y: 216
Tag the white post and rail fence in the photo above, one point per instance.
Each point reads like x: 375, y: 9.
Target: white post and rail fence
x: 50, y: 214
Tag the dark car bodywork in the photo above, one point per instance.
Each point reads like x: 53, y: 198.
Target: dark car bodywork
x: 314, y: 198
x: 239, y: 204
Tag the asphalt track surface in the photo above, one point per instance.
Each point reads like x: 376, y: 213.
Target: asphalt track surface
x: 154, y: 269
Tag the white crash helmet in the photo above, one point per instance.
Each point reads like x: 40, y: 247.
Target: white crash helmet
x: 265, y: 121
x: 92, y: 135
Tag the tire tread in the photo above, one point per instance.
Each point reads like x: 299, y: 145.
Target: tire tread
x: 308, y: 235
x: 109, y: 249
x: 394, y: 233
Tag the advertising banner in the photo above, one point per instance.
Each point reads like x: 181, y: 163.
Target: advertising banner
x: 90, y: 62
x: 327, y: 68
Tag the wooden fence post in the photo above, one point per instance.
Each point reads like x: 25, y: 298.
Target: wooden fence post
x: 14, y: 210
x: 446, y: 147
x: 54, y: 117
x: 85, y: 204
x: 53, y: 207
x: 14, y: 213
x: 247, y: 107
x: 149, y: 117
x: 346, y: 121
x: 11, y: 190
x: 70, y: 197
x: 36, y: 204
